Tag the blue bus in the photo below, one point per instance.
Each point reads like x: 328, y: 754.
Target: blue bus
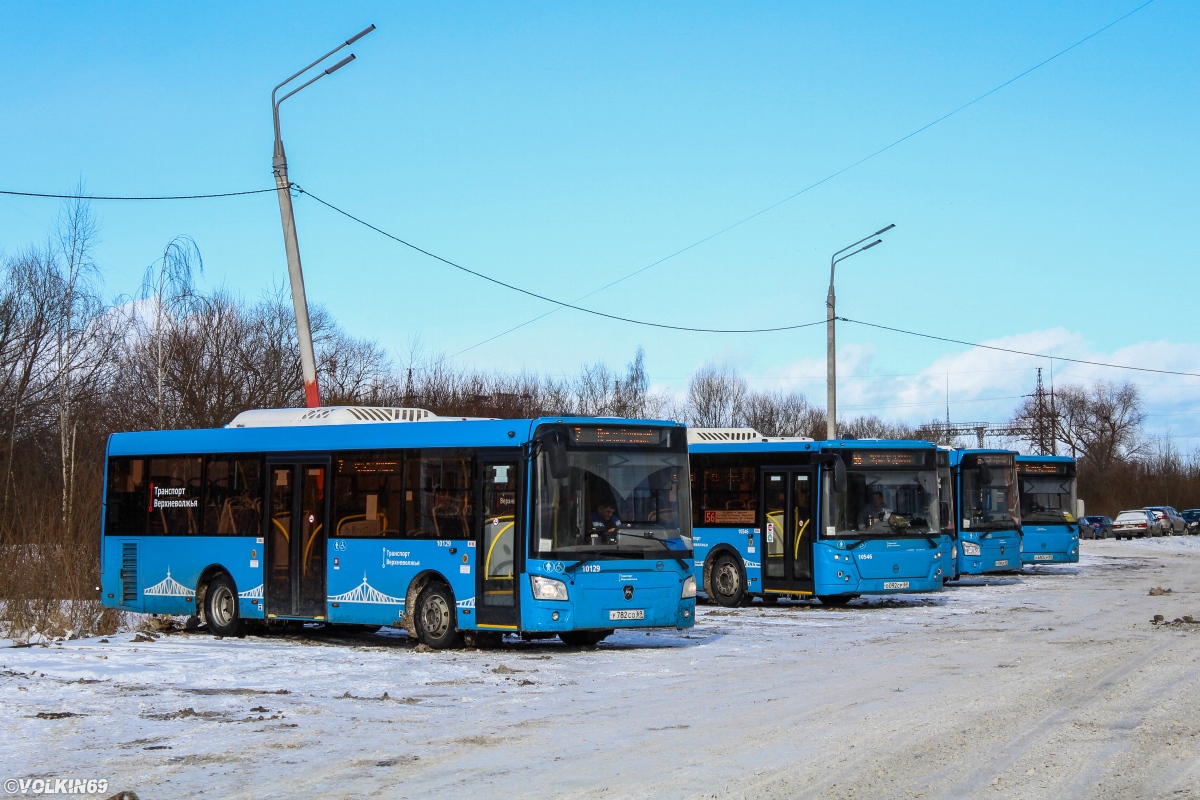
x: 988, y: 519
x: 446, y: 527
x: 1050, y: 531
x: 776, y: 516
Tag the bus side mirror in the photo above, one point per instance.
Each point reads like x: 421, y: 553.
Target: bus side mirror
x: 556, y: 455
x: 839, y: 475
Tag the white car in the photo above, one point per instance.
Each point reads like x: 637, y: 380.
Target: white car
x: 1139, y: 523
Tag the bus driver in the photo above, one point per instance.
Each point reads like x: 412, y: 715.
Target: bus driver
x: 875, y: 513
x: 605, y: 521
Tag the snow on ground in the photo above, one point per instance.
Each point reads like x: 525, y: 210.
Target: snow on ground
x: 1051, y: 683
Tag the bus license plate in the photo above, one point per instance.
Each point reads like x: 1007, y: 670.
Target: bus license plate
x: 627, y: 613
x: 1002, y: 562
x: 895, y: 584
x: 1041, y: 557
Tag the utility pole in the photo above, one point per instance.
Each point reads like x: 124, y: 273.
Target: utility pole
x: 831, y: 336
x: 283, y: 186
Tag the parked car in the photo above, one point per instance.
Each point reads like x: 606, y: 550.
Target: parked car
x: 1139, y: 523
x: 1173, y: 524
x: 1099, y: 527
x: 1192, y: 517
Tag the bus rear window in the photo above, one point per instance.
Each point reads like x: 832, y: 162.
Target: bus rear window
x: 127, y: 501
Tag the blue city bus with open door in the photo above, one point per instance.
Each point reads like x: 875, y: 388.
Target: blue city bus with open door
x: 988, y: 512
x: 449, y: 528
x: 780, y: 516
x: 1050, y: 530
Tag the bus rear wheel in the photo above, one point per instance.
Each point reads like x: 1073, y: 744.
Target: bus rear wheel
x: 221, y: 607
x: 725, y: 580
x: 435, y: 619
x: 583, y: 638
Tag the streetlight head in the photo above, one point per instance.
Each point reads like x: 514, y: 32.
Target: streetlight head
x: 359, y: 35
x: 872, y: 244
x: 340, y: 64
x: 885, y: 230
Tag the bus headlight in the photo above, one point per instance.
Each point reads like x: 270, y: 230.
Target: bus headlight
x: 547, y: 588
x: 970, y: 549
x: 689, y: 587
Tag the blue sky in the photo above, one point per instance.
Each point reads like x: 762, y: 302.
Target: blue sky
x: 561, y: 147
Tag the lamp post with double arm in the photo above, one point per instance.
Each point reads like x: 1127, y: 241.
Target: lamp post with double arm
x: 308, y: 361
x: 830, y: 335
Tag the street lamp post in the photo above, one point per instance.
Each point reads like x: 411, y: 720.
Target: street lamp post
x: 308, y: 361
x: 830, y: 336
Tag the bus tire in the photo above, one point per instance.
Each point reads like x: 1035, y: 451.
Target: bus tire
x: 583, y: 638
x: 436, y: 618
x: 727, y: 582
x: 837, y: 600
x: 221, y: 607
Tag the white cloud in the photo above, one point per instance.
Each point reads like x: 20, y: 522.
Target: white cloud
x: 986, y: 385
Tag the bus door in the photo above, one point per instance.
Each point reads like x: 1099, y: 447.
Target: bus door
x: 788, y: 529
x: 497, y: 543
x: 296, y: 534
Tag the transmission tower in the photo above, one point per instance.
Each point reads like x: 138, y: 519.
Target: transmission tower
x: 1043, y: 424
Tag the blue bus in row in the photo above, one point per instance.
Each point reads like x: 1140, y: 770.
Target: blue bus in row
x: 786, y: 516
x: 1048, y: 508
x: 987, y: 528
x: 447, y: 528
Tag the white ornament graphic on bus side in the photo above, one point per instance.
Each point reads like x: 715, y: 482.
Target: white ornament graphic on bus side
x: 365, y: 593
x: 751, y: 564
x: 468, y: 603
x: 168, y: 587
x: 252, y: 594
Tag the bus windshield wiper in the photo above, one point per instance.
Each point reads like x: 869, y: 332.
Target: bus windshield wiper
x: 587, y: 556
x: 674, y: 553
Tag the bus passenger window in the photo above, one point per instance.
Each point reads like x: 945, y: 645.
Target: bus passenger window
x: 175, y: 496
x: 127, y: 501
x: 367, y: 494
x: 438, y: 493
x: 728, y: 496
x: 233, y: 492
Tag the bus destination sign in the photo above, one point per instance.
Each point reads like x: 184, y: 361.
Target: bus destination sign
x: 1028, y: 468
x: 648, y: 437
x: 889, y: 458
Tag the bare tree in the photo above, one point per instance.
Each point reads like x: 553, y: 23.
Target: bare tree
x: 715, y: 397
x: 169, y: 287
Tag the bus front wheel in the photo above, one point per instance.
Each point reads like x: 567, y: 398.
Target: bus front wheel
x: 435, y: 617
x: 221, y: 607
x: 725, y: 578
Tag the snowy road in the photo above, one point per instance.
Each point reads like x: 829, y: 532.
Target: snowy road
x: 1049, y: 684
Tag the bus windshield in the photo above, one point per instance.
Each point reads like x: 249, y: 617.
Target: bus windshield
x: 626, y: 502
x: 1047, y: 499
x: 889, y: 502
x: 990, y: 506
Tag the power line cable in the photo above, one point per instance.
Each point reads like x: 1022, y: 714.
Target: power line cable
x: 543, y: 297
x: 1019, y: 352
x: 826, y: 179
x: 115, y: 197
